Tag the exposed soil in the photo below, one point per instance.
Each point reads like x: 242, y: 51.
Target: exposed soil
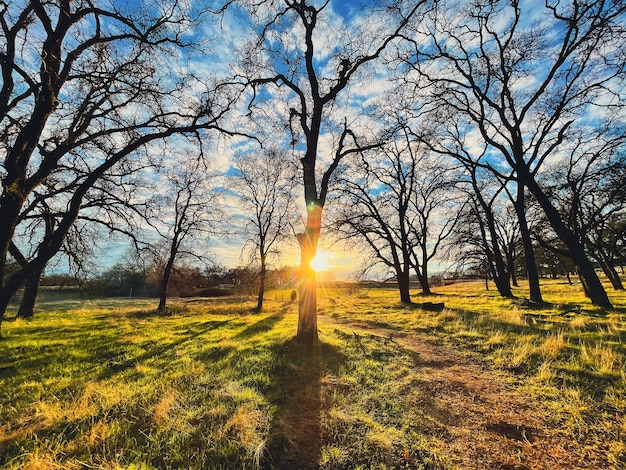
x: 478, y: 420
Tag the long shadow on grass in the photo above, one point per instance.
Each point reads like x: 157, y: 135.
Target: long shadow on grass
x: 159, y: 350
x: 264, y: 324
x: 295, y: 439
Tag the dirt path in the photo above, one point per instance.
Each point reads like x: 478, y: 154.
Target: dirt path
x: 481, y: 422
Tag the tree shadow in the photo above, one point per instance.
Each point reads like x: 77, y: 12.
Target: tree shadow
x: 295, y: 437
x: 261, y: 326
x: 114, y: 367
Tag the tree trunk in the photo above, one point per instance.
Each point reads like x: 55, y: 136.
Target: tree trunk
x: 29, y: 297
x: 496, y: 261
x: 422, y: 275
x: 165, y: 279
x: 402, y: 277
x: 5, y: 299
x: 503, y: 286
x: 262, y: 276
x: 510, y: 263
x: 527, y: 244
x: 611, y: 274
x: 10, y: 204
x: 307, y: 288
x: 163, y: 293
x: 424, y: 284
x: 590, y: 280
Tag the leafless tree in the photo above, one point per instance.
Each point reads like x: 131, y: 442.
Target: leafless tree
x: 85, y: 92
x: 525, y: 91
x: 301, y: 60
x: 374, y: 205
x: 401, y: 201
x: 189, y: 213
x: 481, y: 228
x: 589, y: 192
x: 265, y: 183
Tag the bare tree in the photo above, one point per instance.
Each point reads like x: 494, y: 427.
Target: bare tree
x: 190, y: 210
x: 109, y: 209
x: 589, y: 192
x: 436, y: 206
x: 525, y: 91
x: 264, y: 183
x: 485, y: 197
x: 85, y: 91
x: 400, y: 200
x: 374, y: 205
x: 289, y: 61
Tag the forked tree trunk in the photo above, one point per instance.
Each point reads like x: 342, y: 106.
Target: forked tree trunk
x: 608, y: 268
x: 611, y: 274
x: 511, y: 267
x: 424, y: 284
x: 495, y: 258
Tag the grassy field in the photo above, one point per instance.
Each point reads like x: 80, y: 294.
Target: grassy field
x: 113, y: 384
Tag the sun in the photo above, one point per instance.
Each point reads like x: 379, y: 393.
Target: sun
x: 320, y: 262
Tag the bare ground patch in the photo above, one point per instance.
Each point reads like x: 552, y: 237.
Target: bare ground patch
x: 477, y: 419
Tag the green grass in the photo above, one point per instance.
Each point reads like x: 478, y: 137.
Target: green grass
x: 208, y: 385
x: 113, y: 384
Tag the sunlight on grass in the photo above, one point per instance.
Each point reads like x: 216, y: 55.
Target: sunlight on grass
x: 115, y: 384
x: 601, y: 359
x: 553, y: 345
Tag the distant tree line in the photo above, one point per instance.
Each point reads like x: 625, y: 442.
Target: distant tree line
x: 127, y: 281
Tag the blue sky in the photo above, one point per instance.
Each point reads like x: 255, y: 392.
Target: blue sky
x: 364, y: 95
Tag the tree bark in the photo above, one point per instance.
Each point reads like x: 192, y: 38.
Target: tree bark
x: 5, y: 299
x: 262, y: 276
x: 422, y: 274
x: 307, y: 288
x: 495, y: 259
x: 424, y: 284
x: 588, y: 277
x: 402, y: 278
x: 611, y: 274
x: 511, y: 267
x: 165, y: 279
x: 29, y: 297
x: 527, y: 244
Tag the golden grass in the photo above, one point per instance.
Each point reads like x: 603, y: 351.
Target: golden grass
x: 602, y: 359
x: 210, y: 385
x: 553, y: 345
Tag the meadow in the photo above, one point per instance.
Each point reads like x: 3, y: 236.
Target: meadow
x: 484, y: 383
